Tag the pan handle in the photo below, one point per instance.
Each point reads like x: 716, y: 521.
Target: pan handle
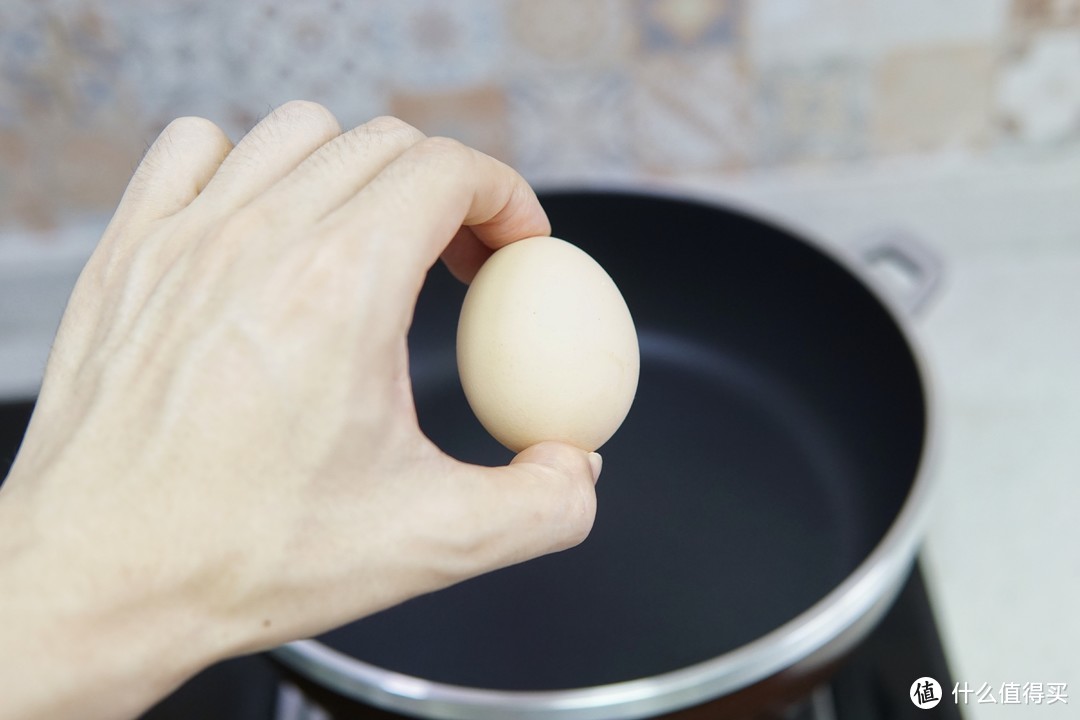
x: 902, y: 266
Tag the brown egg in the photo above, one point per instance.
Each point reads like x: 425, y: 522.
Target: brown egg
x: 546, y: 347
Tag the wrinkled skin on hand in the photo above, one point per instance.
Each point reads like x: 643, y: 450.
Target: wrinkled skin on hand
x: 225, y: 454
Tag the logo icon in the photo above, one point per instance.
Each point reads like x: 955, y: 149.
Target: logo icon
x: 925, y: 693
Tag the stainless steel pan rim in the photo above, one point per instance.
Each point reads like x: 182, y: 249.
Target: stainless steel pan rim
x: 864, y: 593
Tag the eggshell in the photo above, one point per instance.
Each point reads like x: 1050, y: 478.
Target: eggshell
x: 546, y: 347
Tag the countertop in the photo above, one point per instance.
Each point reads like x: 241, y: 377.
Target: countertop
x: 1001, y: 338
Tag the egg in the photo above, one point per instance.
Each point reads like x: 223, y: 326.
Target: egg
x: 546, y: 347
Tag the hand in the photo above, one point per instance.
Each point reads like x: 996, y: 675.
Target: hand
x: 225, y: 454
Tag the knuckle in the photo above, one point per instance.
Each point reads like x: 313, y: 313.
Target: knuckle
x: 450, y: 159
x: 182, y: 135
x: 191, y: 126
x: 390, y: 125
x: 307, y: 114
x: 439, y: 146
x: 382, y: 131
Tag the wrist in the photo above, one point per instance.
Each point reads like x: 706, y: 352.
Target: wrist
x: 80, y: 636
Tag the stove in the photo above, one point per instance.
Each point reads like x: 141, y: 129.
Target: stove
x: 874, y: 683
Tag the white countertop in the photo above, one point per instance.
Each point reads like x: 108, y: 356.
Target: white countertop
x: 1002, y: 339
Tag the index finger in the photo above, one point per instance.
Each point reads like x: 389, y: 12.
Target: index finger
x: 408, y: 214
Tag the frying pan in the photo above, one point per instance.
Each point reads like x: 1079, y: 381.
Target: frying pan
x: 759, y: 509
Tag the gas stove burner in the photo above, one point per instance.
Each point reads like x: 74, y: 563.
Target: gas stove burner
x: 292, y: 704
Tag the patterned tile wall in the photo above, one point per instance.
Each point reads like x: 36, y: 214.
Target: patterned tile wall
x: 562, y: 89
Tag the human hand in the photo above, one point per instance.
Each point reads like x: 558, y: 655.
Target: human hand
x: 225, y: 453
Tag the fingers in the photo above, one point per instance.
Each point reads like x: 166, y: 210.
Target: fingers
x: 465, y: 254
x: 174, y: 170
x: 543, y: 502
x: 338, y: 170
x: 273, y: 148
x: 416, y: 205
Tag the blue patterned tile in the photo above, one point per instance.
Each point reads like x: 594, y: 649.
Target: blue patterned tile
x: 326, y: 51
x: 813, y: 112
x: 690, y: 24
x: 692, y: 112
x: 572, y: 36
x: 176, y: 59
x: 570, y: 127
x: 65, y: 63
x: 438, y: 46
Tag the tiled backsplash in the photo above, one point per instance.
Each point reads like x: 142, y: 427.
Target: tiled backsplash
x: 561, y: 89
x: 956, y: 119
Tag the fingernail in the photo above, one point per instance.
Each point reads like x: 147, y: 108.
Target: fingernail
x: 595, y: 462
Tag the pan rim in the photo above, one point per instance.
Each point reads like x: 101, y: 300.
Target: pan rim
x: 800, y: 643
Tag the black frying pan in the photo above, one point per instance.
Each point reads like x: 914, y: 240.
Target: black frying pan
x: 776, y: 435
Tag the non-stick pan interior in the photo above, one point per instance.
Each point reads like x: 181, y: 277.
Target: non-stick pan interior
x: 776, y: 432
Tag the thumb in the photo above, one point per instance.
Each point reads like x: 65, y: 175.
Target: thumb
x: 542, y: 502
x: 567, y: 478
